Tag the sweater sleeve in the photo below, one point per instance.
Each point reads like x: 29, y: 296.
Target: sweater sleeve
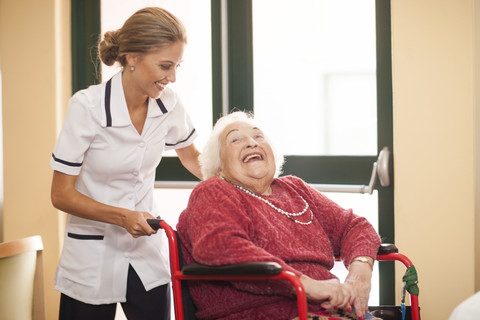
x: 350, y: 235
x: 216, y: 229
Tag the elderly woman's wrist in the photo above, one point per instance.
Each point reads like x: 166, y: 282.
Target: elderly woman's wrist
x: 366, y: 260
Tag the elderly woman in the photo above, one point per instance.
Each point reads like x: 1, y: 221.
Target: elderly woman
x: 243, y: 212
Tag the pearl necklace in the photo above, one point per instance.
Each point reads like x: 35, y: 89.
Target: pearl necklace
x: 288, y: 214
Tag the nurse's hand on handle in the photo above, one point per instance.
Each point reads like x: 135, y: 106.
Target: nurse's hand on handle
x: 136, y: 224
x: 65, y: 197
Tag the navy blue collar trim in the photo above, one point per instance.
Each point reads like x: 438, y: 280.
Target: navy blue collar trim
x: 161, y: 105
x: 108, y: 113
x: 108, y: 90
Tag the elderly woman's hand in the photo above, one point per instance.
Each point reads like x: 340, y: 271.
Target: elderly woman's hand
x: 331, y: 293
x: 359, y: 279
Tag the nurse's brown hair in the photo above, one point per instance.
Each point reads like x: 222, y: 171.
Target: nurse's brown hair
x: 147, y: 29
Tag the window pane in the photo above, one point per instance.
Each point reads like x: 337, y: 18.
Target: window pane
x: 315, y: 73
x: 194, y: 79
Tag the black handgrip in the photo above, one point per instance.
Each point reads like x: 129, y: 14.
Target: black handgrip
x: 154, y: 223
x: 387, y: 248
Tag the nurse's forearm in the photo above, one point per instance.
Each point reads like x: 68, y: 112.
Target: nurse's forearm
x: 189, y: 158
x: 67, y: 199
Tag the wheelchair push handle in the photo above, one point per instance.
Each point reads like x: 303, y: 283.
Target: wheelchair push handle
x: 154, y: 223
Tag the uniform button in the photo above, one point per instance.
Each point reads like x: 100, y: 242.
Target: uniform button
x: 141, y: 144
x: 135, y: 173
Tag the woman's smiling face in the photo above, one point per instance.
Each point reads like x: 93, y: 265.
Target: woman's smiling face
x: 246, y: 157
x: 157, y: 68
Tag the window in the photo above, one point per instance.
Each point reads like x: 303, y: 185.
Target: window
x: 314, y: 68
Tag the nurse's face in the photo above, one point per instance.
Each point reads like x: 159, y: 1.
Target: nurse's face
x: 157, y: 68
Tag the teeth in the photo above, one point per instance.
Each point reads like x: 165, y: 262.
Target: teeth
x: 249, y: 157
x: 160, y: 84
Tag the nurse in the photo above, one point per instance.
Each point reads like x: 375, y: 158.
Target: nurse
x: 104, y: 163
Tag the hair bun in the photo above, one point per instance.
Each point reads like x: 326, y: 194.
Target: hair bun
x: 108, y: 48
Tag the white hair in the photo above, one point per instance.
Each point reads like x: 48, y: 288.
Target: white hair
x: 210, y: 158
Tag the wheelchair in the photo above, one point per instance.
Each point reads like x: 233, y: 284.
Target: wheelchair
x: 180, y: 274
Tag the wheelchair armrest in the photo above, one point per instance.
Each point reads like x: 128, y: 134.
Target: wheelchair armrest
x: 252, y: 268
x: 386, y: 248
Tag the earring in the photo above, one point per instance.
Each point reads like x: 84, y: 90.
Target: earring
x: 132, y: 68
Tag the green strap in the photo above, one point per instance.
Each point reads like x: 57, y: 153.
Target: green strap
x: 410, y: 281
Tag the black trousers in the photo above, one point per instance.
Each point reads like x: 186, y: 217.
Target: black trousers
x: 140, y: 305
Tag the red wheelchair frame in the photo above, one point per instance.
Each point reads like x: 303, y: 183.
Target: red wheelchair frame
x: 251, y: 271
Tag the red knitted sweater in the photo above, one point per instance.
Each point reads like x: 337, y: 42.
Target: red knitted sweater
x: 224, y: 225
